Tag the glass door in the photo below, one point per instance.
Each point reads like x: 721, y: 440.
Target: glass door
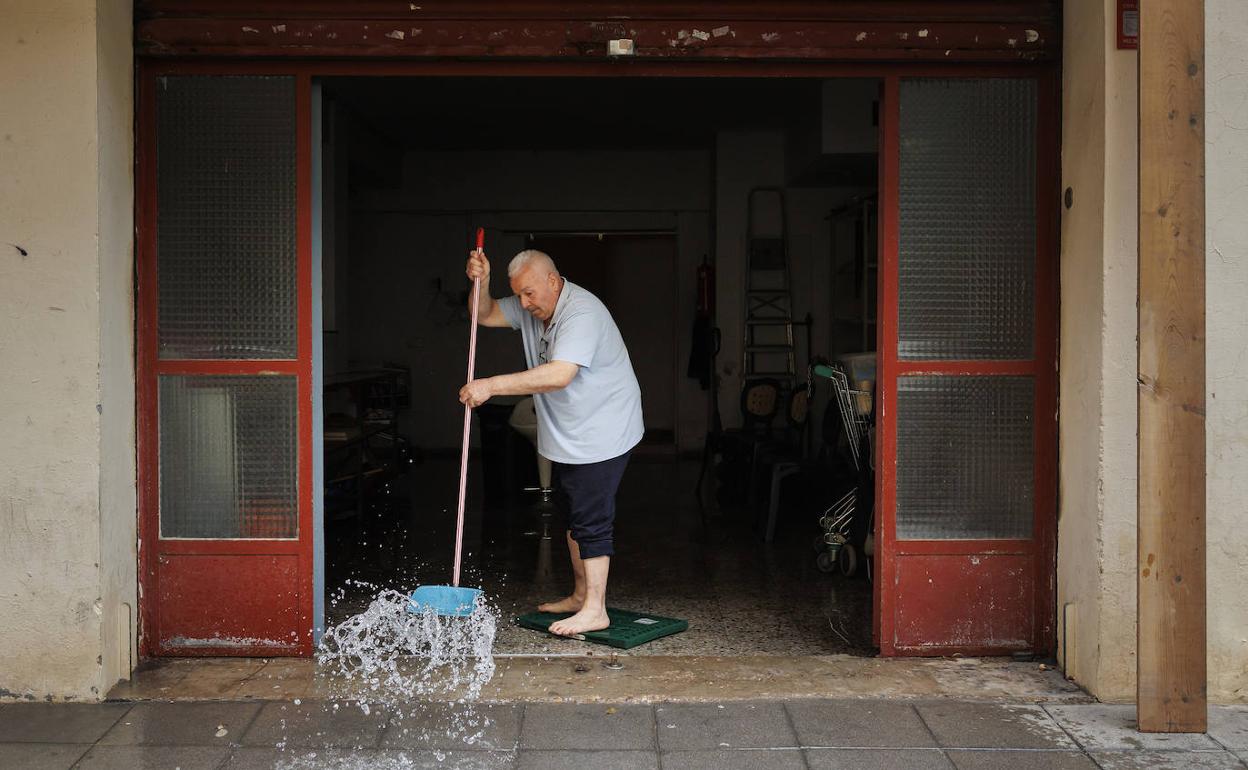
x: 225, y: 389
x: 968, y: 356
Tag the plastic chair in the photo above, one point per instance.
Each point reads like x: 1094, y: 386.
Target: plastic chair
x: 790, y: 456
x: 524, y: 420
x: 760, y: 400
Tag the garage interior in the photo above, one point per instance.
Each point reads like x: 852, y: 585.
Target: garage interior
x: 635, y: 187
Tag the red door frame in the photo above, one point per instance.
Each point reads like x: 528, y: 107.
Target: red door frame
x: 1041, y: 549
x: 149, y: 367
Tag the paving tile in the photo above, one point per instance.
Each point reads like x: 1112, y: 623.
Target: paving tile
x: 367, y: 759
x: 153, y: 679
x: 58, y: 722
x: 41, y: 756
x: 744, y: 759
x: 321, y: 724
x: 1100, y: 726
x: 858, y: 723
x: 281, y: 679
x: 132, y: 757
x: 686, y: 726
x: 216, y: 679
x: 579, y: 760
x: 877, y: 759
x: 991, y: 759
x: 182, y: 724
x: 993, y: 726
x: 1228, y: 725
x: 1167, y: 760
x: 581, y: 727
x: 453, y: 726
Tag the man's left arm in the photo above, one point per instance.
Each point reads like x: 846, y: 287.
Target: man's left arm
x: 555, y: 375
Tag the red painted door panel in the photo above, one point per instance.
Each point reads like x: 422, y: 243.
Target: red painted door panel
x: 965, y: 602
x: 967, y: 358
x: 224, y: 363
x: 212, y: 603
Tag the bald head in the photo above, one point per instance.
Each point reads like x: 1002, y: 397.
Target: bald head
x: 536, y: 282
x: 531, y: 258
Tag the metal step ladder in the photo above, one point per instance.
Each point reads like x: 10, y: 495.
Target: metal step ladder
x: 768, y: 345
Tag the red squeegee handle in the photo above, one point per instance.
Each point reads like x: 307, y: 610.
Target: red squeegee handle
x: 463, y: 456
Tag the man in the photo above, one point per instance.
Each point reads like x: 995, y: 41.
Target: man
x: 588, y: 411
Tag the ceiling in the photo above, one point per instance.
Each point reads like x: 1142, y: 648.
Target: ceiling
x: 568, y: 113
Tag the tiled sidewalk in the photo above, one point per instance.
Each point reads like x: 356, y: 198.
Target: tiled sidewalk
x: 822, y: 734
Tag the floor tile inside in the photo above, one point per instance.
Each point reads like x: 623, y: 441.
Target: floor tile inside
x: 740, y: 595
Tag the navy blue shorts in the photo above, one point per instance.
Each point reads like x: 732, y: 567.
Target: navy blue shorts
x: 586, y: 495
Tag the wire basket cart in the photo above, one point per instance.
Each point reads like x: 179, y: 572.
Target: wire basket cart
x: 845, y: 537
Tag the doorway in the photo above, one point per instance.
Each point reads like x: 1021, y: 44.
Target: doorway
x: 631, y: 188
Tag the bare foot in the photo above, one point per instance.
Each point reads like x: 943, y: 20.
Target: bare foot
x: 581, y: 622
x: 570, y: 604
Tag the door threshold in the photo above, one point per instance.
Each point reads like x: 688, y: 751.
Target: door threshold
x: 638, y: 679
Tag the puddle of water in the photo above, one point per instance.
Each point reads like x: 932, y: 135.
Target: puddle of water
x: 396, y: 761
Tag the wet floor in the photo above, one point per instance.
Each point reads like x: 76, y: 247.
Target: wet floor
x: 740, y: 595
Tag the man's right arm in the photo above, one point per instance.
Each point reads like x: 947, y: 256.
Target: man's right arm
x: 489, y: 312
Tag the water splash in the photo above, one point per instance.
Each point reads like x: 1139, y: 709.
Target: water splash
x: 389, y: 654
x: 419, y: 673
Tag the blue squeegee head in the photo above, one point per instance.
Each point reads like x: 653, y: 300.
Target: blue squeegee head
x: 445, y: 600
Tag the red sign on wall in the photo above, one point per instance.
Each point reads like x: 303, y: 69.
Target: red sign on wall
x: 1128, y: 24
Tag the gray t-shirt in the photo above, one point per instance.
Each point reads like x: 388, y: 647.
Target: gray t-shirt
x: 598, y: 415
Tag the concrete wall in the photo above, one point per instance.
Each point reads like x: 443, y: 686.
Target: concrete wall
x: 115, y: 239
x: 1096, y: 529
x: 1226, y: 169
x: 67, y: 521
x: 1097, y: 524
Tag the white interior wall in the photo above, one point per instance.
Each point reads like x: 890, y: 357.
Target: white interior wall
x: 406, y: 243
x: 67, y: 520
x: 744, y: 160
x: 335, y: 238
x: 407, y: 249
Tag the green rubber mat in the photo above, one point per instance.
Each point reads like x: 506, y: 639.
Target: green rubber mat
x: 627, y: 629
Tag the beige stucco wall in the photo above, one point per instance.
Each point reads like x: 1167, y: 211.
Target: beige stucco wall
x: 1096, y: 533
x: 66, y: 383
x: 115, y: 228
x: 1226, y: 241
x: 1096, y: 529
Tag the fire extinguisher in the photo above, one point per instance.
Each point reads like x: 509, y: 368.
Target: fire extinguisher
x: 706, y: 289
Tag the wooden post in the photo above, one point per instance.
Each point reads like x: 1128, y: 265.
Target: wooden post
x: 1171, y: 694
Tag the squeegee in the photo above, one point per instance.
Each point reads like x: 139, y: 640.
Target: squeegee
x: 455, y: 600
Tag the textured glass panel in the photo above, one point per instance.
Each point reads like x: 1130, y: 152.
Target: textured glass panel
x: 227, y: 457
x: 967, y: 219
x: 226, y: 217
x: 965, y: 457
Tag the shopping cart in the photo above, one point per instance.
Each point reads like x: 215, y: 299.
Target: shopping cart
x: 846, y: 525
